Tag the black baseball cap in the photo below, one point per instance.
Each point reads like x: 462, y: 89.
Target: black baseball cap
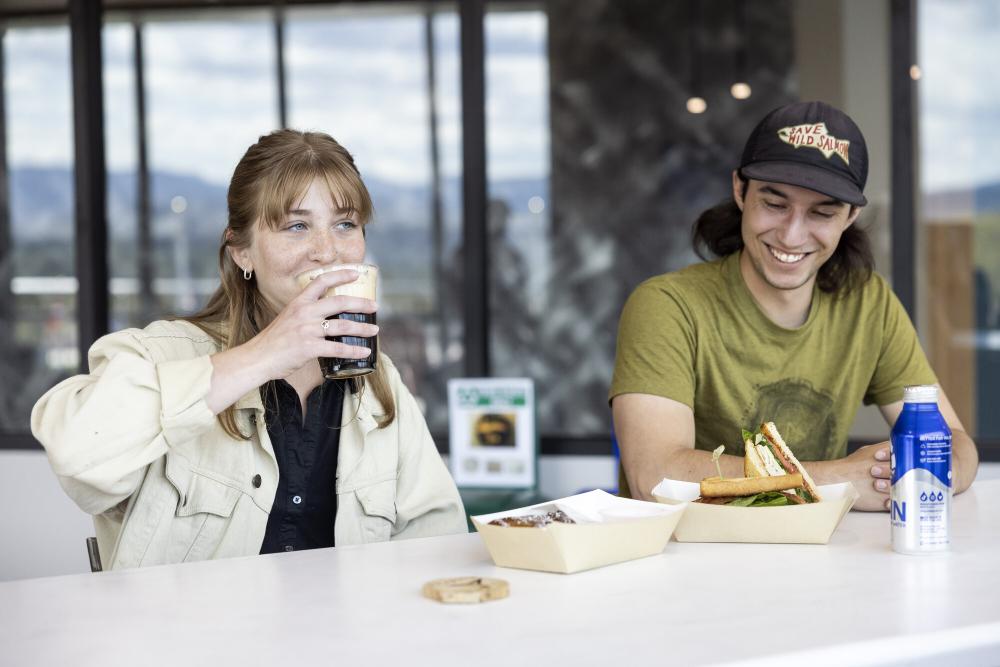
x: 812, y: 145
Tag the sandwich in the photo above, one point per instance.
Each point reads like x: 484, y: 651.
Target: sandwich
x: 766, y: 491
x: 773, y: 476
x: 767, y: 455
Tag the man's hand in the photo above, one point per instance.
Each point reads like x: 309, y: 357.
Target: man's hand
x: 867, y: 468
x: 875, y: 479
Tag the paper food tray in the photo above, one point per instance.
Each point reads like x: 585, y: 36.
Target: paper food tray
x: 609, y: 530
x: 813, y: 523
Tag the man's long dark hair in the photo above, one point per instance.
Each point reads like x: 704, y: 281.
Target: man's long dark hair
x: 717, y: 232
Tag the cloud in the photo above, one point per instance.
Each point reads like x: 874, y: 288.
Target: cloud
x: 361, y: 75
x: 959, y: 101
x: 38, y: 95
x: 120, y: 140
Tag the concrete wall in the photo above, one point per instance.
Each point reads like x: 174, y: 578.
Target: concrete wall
x: 43, y: 532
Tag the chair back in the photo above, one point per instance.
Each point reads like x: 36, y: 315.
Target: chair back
x: 94, y: 554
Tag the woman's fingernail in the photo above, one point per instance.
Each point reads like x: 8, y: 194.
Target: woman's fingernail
x: 881, y: 485
x: 876, y: 471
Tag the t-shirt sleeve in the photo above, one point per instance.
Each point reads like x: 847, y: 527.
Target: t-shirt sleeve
x: 655, y: 352
x: 902, y: 360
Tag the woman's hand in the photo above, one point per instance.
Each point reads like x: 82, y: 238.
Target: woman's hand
x: 294, y: 338
x: 297, y: 336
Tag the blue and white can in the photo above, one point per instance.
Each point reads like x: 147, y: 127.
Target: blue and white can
x: 921, y: 475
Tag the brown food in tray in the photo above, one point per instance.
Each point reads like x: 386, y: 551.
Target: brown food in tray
x: 532, y: 520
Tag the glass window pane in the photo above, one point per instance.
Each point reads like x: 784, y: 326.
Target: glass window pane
x: 121, y: 155
x: 38, y: 330
x: 596, y: 171
x: 518, y: 209
x: 362, y: 76
x: 959, y: 252
x: 210, y: 93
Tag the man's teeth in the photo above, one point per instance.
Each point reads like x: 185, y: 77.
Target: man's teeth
x: 785, y: 257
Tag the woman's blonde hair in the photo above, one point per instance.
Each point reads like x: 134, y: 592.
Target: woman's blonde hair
x: 269, y: 180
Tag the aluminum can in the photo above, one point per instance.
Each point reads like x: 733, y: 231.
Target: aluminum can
x: 921, y: 475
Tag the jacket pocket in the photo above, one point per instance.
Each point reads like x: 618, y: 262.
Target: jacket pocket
x: 204, y: 509
x: 378, y: 504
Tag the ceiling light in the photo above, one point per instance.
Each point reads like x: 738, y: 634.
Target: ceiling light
x: 696, y: 105
x: 740, y: 90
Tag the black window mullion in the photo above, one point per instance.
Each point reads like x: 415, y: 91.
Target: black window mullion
x: 903, y: 223
x: 90, y: 176
x: 279, y: 62
x: 143, y: 210
x: 437, y: 208
x: 6, y: 243
x: 475, y: 291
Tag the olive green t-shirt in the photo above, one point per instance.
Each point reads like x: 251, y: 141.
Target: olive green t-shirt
x: 698, y: 337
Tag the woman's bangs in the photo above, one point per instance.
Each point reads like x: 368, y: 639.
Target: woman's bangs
x: 282, y: 194
x: 348, y: 192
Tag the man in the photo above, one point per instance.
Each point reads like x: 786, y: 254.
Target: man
x: 789, y: 325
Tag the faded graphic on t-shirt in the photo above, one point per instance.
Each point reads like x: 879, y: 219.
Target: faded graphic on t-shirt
x: 803, y: 415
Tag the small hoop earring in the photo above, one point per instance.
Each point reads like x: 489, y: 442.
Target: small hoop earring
x: 247, y: 274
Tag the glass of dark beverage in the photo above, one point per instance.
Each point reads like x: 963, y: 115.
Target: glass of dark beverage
x: 365, y: 287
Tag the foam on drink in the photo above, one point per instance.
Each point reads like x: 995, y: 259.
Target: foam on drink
x: 364, y: 287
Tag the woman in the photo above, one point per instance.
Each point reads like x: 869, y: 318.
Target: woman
x: 217, y: 435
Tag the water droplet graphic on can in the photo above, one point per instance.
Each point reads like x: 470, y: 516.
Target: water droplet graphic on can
x: 923, y: 496
x: 940, y: 496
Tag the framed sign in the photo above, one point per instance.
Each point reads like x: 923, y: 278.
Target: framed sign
x: 491, y: 426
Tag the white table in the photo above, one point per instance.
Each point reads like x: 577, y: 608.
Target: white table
x: 852, y: 601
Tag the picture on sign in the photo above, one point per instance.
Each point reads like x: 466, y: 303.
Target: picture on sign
x: 491, y: 429
x: 492, y: 432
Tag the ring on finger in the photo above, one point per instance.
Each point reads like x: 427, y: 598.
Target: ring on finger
x: 325, y: 324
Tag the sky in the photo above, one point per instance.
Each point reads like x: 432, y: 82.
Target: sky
x: 362, y: 77
x: 959, y: 92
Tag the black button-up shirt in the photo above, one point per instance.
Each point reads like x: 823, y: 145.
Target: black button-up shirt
x: 305, y: 504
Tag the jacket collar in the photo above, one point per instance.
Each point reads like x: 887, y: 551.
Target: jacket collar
x: 251, y: 401
x: 357, y: 421
x: 367, y: 410
x: 361, y: 407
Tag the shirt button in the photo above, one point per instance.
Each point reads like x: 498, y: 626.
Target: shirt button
x: 297, y: 500
x: 255, y: 481
x: 289, y: 547
x: 253, y: 418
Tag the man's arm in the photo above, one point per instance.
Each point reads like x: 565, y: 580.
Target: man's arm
x: 656, y: 440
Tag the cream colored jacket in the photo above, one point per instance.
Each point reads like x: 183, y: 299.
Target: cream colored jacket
x: 134, y: 444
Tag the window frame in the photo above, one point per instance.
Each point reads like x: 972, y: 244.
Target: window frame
x: 86, y: 22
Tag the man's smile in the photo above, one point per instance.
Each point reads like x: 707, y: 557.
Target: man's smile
x: 786, y: 257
